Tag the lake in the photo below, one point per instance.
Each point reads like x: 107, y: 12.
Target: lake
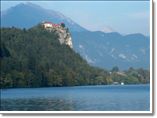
x: 79, y: 98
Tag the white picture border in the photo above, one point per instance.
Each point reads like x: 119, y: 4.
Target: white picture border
x: 110, y: 112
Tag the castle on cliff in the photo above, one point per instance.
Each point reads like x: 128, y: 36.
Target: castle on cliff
x: 61, y: 30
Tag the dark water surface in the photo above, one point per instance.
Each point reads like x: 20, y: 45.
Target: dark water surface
x: 80, y: 98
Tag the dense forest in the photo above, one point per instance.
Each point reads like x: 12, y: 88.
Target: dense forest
x: 35, y: 58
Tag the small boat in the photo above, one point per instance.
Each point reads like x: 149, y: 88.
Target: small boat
x: 122, y: 83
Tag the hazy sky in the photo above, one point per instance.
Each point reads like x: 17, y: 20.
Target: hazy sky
x: 124, y: 17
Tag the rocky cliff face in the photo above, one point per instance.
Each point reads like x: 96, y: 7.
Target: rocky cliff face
x: 64, y: 36
x: 63, y: 33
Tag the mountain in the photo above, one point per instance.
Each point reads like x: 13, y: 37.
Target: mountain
x: 107, y: 50
x: 28, y: 14
x: 104, y: 50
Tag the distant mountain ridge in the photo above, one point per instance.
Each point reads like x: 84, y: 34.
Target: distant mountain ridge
x: 113, y: 49
x: 27, y: 15
x: 100, y: 49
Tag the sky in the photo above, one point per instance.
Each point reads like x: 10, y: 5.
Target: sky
x: 125, y: 17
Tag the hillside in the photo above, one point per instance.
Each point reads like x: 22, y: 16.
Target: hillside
x: 35, y: 58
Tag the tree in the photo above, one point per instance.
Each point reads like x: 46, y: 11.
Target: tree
x: 54, y: 79
x: 109, y: 80
x: 99, y: 80
x: 6, y: 82
x: 63, y: 25
x: 115, y: 69
x: 3, y: 51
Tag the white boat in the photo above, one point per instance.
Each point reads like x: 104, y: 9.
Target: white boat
x: 122, y: 83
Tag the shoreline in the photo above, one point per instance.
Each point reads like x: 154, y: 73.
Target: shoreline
x: 73, y: 86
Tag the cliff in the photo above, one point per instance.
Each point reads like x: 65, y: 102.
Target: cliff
x: 62, y: 32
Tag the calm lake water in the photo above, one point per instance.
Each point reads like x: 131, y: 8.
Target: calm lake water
x: 80, y: 98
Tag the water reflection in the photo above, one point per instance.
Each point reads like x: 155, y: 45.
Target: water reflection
x: 89, y: 98
x: 36, y: 104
